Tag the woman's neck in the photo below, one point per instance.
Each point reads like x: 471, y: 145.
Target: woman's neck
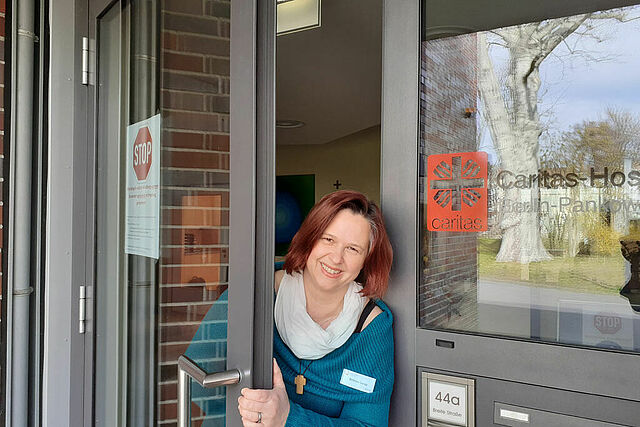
x: 323, y: 307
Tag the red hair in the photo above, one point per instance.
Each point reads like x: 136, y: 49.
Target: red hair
x: 374, y: 275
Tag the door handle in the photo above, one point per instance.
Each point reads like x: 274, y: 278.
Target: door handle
x: 188, y: 370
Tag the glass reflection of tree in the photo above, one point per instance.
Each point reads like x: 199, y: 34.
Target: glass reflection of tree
x: 612, y: 142
x: 510, y: 107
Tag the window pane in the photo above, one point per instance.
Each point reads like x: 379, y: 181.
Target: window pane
x: 530, y: 181
x: 194, y: 100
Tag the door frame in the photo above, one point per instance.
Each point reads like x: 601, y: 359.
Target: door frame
x: 97, y: 9
x: 583, y: 370
x: 62, y: 381
x: 399, y: 170
x: 252, y: 148
x: 66, y: 386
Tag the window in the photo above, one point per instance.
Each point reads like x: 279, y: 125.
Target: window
x: 530, y: 181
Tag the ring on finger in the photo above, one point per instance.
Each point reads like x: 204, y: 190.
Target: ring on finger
x: 259, y: 418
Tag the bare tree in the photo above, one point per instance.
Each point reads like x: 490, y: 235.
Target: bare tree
x: 514, y: 120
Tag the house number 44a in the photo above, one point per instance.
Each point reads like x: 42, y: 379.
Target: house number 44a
x: 453, y: 400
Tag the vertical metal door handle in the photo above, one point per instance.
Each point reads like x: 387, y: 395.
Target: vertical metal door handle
x: 188, y: 370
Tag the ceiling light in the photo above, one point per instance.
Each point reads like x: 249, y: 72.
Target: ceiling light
x: 289, y: 124
x: 297, y: 15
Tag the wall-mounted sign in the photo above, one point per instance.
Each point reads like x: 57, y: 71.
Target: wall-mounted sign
x: 142, y: 223
x: 447, y: 399
x: 457, y: 192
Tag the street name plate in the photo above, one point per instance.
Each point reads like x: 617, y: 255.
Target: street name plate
x: 447, y: 400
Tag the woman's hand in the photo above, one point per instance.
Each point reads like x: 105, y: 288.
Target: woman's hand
x: 272, y: 404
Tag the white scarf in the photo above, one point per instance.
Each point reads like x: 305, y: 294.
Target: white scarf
x: 306, y: 339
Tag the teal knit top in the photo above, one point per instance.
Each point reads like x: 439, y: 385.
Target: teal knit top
x: 327, y: 402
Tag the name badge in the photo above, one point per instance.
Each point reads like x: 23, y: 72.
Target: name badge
x: 357, y: 381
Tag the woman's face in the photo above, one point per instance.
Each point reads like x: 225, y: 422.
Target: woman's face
x: 338, y: 256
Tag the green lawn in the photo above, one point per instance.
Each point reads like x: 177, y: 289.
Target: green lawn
x: 598, y: 274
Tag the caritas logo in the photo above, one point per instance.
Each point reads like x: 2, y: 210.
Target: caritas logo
x: 457, y: 192
x: 142, y: 153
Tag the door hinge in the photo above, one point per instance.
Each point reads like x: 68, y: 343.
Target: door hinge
x: 82, y: 311
x: 88, y: 55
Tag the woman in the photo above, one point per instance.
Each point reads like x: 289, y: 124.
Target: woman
x: 333, y: 341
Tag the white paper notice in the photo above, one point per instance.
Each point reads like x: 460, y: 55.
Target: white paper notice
x: 142, y: 229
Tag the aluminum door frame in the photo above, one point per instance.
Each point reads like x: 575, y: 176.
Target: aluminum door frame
x: 583, y: 370
x: 64, y: 388
x: 399, y: 189
x: 97, y: 9
x: 62, y: 391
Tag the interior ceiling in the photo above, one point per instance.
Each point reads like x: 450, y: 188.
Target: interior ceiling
x: 330, y: 77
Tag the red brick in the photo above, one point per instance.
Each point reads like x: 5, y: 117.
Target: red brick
x: 191, y: 24
x: 183, y: 139
x: 177, y: 333
x: 183, y: 101
x: 206, y: 255
x: 175, y: 236
x: 219, y: 9
x: 171, y: 352
x: 180, y: 198
x: 169, y: 372
x: 168, y: 391
x: 195, y: 83
x: 195, y: 217
x: 217, y: 103
x: 169, y: 40
x: 219, y: 66
x: 194, y: 7
x: 181, y: 61
x: 192, y: 121
x: 185, y: 313
x: 217, y: 142
x: 187, y: 159
x: 191, y: 293
x: 204, y: 45
x: 211, y: 274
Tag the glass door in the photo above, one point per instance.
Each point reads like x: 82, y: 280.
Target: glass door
x: 520, y: 154
x: 175, y: 212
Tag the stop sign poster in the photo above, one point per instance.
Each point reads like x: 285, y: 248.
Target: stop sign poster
x: 142, y: 228
x: 601, y: 321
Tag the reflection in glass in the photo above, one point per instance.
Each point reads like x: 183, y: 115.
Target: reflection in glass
x: 562, y: 141
x: 193, y: 67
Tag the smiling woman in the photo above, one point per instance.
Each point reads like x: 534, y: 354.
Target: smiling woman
x: 333, y: 341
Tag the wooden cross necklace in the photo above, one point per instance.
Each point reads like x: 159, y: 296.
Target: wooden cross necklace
x: 301, y: 381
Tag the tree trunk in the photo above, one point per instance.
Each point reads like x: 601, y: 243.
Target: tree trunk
x: 515, y: 135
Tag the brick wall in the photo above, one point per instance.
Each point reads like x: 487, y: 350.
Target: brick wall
x: 449, y: 264
x: 195, y: 192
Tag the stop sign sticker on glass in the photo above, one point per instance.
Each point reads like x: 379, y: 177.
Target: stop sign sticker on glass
x: 607, y: 324
x: 142, y: 153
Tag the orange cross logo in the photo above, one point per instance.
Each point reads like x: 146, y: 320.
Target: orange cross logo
x: 457, y: 192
